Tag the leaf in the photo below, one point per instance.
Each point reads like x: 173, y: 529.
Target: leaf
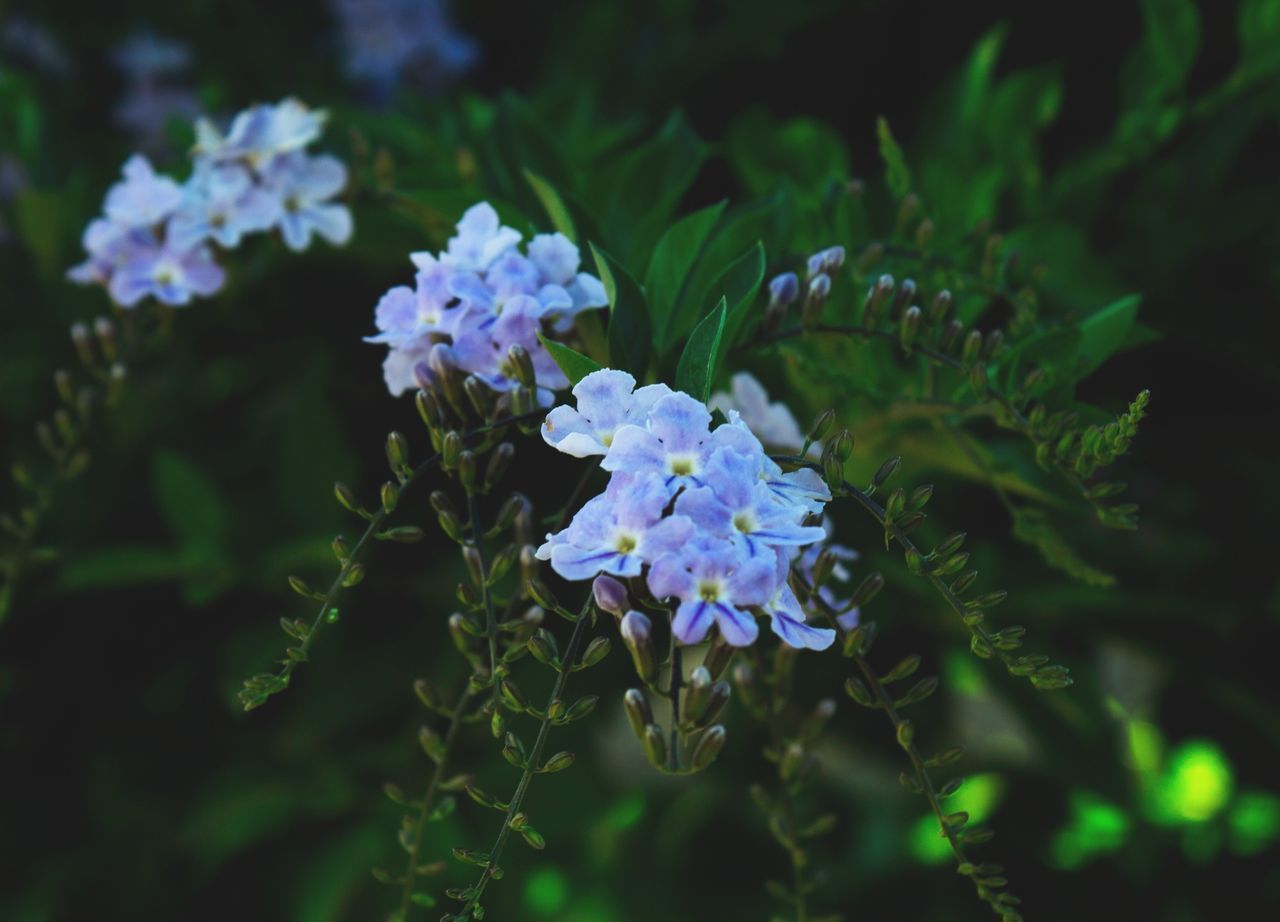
x: 1160, y: 63
x: 1259, y: 33
x: 697, y: 367
x: 188, y: 501
x: 671, y: 265
x: 628, y: 315
x: 573, y: 363
x: 738, y: 284
x: 557, y: 210
x: 897, y: 175
x: 764, y: 151
x: 1103, y: 333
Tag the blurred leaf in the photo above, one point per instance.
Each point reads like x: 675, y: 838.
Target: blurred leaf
x: 738, y: 284
x: 1259, y: 32
x: 574, y: 364
x: 188, y: 501
x: 696, y: 370
x: 1103, y: 333
x: 673, y: 259
x: 557, y: 210
x: 897, y: 175
x: 765, y: 152
x: 628, y: 316
x: 1158, y: 66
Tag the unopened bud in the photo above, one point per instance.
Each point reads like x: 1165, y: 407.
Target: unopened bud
x: 708, y: 747
x: 950, y: 335
x: 610, y: 595
x: 636, y: 632
x: 106, y: 333
x: 909, y: 329
x: 815, y: 299
x: 972, y: 348
x: 467, y: 470
x: 697, y: 695
x: 822, y: 425
x: 940, y: 306
x: 521, y: 365
x: 906, y: 294
x: 499, y: 462
x: 784, y: 289
x: 639, y: 714
x: 397, y: 452
x: 84, y: 345
x: 877, y: 299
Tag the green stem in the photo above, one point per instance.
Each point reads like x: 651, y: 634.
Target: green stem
x: 531, y: 764
x: 428, y: 799
x: 677, y: 681
x: 490, y: 618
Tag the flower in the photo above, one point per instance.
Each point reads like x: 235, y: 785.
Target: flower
x: 701, y: 515
x: 304, y: 186
x: 152, y: 240
x: 772, y: 423
x: 482, y: 296
x: 607, y: 400
x: 384, y: 40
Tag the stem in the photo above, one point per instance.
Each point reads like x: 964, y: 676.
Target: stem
x: 428, y: 800
x: 490, y: 619
x: 376, y: 521
x: 677, y: 681
x: 794, y: 853
x: 535, y: 756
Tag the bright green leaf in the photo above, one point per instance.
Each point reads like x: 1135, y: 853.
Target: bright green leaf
x: 897, y: 175
x: 573, y: 363
x: 557, y: 210
x: 1103, y: 333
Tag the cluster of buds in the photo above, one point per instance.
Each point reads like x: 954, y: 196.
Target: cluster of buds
x: 451, y: 401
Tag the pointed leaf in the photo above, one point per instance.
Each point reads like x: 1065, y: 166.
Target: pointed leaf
x: 628, y: 315
x: 697, y: 367
x: 573, y: 363
x: 670, y: 267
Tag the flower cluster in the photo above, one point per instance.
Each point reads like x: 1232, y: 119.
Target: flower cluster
x: 476, y: 299
x: 154, y: 237
x: 700, y: 516
x: 386, y: 40
x: 156, y: 92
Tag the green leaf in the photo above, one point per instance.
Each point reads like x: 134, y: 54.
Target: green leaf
x: 1259, y: 32
x: 897, y: 175
x: 556, y: 208
x: 764, y: 151
x: 573, y: 363
x: 670, y: 267
x: 628, y: 315
x: 697, y: 367
x: 738, y: 284
x: 1103, y: 333
x: 188, y: 501
x: 1160, y: 63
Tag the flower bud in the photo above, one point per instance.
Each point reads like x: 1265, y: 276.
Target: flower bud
x: 887, y: 470
x: 508, y: 512
x: 719, y: 654
x: 397, y: 452
x: 877, y: 297
x: 467, y: 470
x: 909, y: 329
x: 636, y: 632
x: 906, y: 293
x: 499, y: 462
x: 950, y: 335
x: 784, y: 289
x: 972, y: 348
x: 655, y: 746
x: 610, y: 595
x: 639, y: 714
x: 521, y: 365
x: 815, y: 299
x: 480, y: 395
x: 697, y: 694
x: 939, y: 307
x: 708, y: 747
x: 106, y: 333
x: 822, y: 425
x: 716, y: 701
x: 84, y: 345
x: 450, y: 449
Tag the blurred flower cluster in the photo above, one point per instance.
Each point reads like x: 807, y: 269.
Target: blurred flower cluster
x: 479, y: 297
x: 703, y: 514
x: 154, y: 238
x: 386, y: 41
x: 153, y: 67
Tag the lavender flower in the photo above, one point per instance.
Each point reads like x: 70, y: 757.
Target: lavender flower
x: 703, y: 516
x: 772, y: 423
x: 153, y: 239
x: 481, y: 295
x: 384, y: 40
x: 152, y: 65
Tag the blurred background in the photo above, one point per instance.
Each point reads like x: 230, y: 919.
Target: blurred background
x: 1130, y: 147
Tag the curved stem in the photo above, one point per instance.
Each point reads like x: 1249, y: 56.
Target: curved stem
x: 428, y: 799
x: 530, y: 767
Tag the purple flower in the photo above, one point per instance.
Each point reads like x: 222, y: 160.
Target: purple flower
x: 222, y: 204
x: 605, y: 403
x: 715, y: 583
x: 787, y: 618
x: 739, y: 507
x: 261, y: 134
x: 170, y: 276
x: 304, y: 186
x: 384, y: 40
x: 618, y: 531
x: 772, y: 423
x: 484, y: 296
x: 675, y: 444
x: 784, y: 288
x: 480, y: 240
x: 145, y: 198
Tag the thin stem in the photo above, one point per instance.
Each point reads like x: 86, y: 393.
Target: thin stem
x: 677, y: 681
x: 490, y: 619
x: 376, y: 522
x: 428, y: 799
x: 531, y: 764
x: 794, y: 853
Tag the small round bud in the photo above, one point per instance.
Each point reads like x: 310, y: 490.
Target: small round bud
x: 610, y: 595
x: 784, y: 289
